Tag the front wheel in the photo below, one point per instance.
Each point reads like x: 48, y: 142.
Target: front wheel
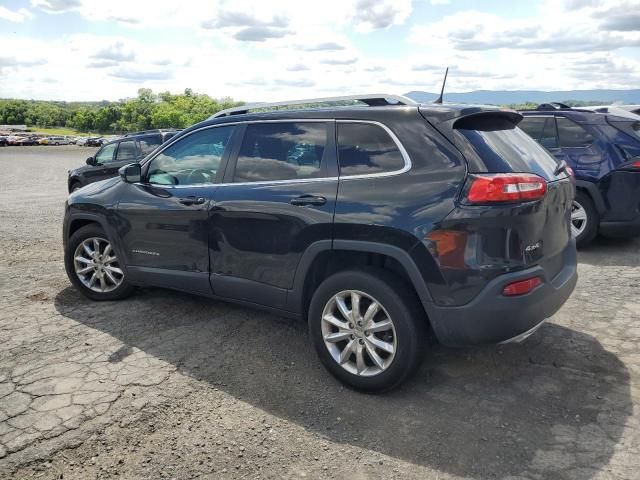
x: 93, y: 267
x: 368, y: 332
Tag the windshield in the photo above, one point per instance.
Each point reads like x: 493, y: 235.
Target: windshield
x: 505, y: 151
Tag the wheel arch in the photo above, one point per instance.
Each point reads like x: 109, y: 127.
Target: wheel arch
x: 324, y: 258
x: 592, y: 190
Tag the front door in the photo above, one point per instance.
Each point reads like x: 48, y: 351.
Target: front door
x: 163, y: 220
x: 102, y: 159
x: 277, y: 197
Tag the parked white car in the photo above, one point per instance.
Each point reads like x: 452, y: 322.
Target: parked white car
x: 58, y: 141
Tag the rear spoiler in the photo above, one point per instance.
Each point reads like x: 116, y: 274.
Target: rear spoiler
x: 445, y: 120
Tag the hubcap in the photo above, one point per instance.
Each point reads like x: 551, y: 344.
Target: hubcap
x: 96, y: 265
x: 358, y: 333
x: 578, y: 219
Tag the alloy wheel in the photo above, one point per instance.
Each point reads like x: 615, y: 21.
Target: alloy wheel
x: 359, y: 333
x: 96, y: 265
x: 578, y: 219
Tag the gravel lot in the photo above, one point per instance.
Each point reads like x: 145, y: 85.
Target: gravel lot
x: 166, y: 385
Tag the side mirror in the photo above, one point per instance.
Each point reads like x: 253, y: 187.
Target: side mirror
x: 131, y: 173
x: 91, y: 161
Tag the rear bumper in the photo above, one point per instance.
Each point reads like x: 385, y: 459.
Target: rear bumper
x: 492, y: 317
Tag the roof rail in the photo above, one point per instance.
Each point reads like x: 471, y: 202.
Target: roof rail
x: 373, y: 100
x: 553, y: 106
x: 153, y: 130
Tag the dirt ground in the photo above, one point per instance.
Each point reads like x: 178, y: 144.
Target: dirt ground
x: 166, y: 385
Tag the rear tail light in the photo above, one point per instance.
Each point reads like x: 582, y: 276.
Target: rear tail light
x: 505, y: 187
x: 521, y: 287
x: 633, y: 165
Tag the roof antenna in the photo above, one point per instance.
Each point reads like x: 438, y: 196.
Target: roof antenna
x: 440, y: 98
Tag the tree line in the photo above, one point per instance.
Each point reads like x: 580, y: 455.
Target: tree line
x: 148, y: 110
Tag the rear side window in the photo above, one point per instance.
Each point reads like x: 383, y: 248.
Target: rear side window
x: 572, y: 135
x: 105, y: 155
x: 281, y: 151
x: 149, y: 144
x: 364, y: 148
x: 629, y: 127
x: 541, y: 129
x: 504, y: 150
x: 126, y: 151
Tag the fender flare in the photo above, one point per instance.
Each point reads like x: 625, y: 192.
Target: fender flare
x: 295, y: 295
x: 592, y: 189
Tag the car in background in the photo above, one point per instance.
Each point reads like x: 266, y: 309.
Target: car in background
x: 43, y: 141
x: 81, y: 141
x: 3, y: 141
x: 27, y: 141
x: 95, y: 141
x: 603, y: 149
x: 59, y: 140
x: 105, y: 163
x: 618, y: 110
x: 631, y: 108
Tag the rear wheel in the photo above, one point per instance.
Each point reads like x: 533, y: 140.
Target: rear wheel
x: 584, y: 219
x: 93, y: 267
x: 367, y: 331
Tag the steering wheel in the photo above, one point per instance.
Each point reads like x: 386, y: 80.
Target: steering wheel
x: 206, y: 174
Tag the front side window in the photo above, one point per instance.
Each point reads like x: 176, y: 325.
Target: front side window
x: 281, y: 151
x: 365, y: 148
x: 192, y: 160
x: 126, y: 151
x: 105, y: 155
x: 572, y: 135
x: 149, y: 144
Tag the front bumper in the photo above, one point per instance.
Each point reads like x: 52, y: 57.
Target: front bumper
x: 492, y: 317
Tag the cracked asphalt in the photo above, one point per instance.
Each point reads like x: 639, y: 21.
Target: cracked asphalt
x: 167, y: 385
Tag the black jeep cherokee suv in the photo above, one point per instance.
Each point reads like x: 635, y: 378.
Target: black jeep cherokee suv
x: 133, y: 147
x: 376, y: 224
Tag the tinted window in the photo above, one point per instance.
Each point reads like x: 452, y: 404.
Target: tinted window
x: 281, y: 151
x: 149, y: 144
x: 504, y: 151
x: 572, y: 135
x: 549, y: 137
x: 106, y: 153
x: 629, y: 127
x: 366, y: 148
x: 126, y: 151
x: 192, y: 160
x: 533, y: 126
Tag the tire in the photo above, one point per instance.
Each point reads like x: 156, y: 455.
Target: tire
x: 115, y: 290
x: 583, y: 204
x: 397, y: 302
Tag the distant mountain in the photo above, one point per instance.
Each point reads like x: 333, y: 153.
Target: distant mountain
x: 506, y: 97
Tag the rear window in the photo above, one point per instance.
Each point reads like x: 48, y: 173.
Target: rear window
x: 364, y: 148
x: 630, y: 128
x: 506, y: 150
x: 149, y: 144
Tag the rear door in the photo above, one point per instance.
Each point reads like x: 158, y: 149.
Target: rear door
x: 277, y: 198
x: 580, y: 148
x: 103, y: 158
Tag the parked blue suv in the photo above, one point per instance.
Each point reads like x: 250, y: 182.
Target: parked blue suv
x: 603, y: 149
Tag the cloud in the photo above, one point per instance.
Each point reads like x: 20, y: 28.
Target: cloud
x: 102, y: 64
x: 426, y: 67
x: 440, y: 2
x: 259, y: 34
x: 623, y: 22
x: 140, y: 75
x: 241, y: 19
x: 339, y: 61
x: 115, y: 52
x: 377, y: 14
x: 298, y: 67
x: 323, y: 47
x: 17, y: 16
x: 303, y: 82
x: 56, y: 6
x: 374, y: 68
x: 13, y: 62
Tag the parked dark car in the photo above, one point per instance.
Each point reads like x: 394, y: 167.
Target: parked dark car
x: 113, y: 155
x: 3, y: 141
x: 27, y: 141
x: 95, y: 141
x: 377, y: 224
x: 603, y: 149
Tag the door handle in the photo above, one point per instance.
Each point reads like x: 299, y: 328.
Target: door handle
x: 192, y: 201
x: 304, y: 200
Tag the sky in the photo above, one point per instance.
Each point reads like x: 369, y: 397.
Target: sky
x: 274, y: 50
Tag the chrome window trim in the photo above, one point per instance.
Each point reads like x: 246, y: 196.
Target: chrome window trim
x: 407, y: 160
